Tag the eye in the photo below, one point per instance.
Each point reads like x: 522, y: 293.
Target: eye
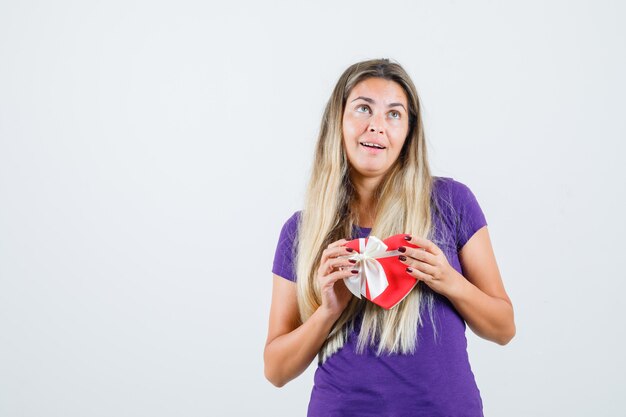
x: 394, y: 114
x: 363, y: 106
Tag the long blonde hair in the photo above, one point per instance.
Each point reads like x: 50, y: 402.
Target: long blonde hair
x: 402, y: 206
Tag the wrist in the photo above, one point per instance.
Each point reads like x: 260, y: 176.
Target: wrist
x: 458, y: 286
x: 327, y: 315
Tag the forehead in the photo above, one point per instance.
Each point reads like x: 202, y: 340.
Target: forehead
x: 381, y: 90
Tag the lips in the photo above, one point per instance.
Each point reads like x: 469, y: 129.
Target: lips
x: 372, y: 144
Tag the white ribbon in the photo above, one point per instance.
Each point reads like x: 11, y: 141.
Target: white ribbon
x: 370, y: 270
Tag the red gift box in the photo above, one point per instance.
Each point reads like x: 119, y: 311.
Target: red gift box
x: 382, y: 277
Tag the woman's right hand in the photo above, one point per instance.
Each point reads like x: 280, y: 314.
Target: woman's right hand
x: 330, y: 275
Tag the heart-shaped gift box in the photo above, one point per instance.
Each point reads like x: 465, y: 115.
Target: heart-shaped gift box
x: 382, y: 277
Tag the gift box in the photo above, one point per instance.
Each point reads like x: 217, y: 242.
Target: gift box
x: 382, y: 277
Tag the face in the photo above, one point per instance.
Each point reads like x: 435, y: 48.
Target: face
x: 375, y: 126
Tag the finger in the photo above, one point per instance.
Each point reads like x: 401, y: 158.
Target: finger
x: 337, y: 275
x: 426, y: 244
x: 341, y: 261
x: 341, y: 264
x: 333, y: 257
x: 421, y: 276
x: 338, y: 251
x: 419, y: 254
x: 418, y: 265
x: 337, y: 243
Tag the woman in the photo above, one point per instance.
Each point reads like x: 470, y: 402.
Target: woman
x: 371, y: 176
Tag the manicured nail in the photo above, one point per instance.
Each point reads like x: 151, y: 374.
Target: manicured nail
x: 407, y: 237
x: 402, y: 257
x: 350, y: 249
x: 355, y: 271
x: 402, y: 249
x: 409, y: 270
x: 352, y: 261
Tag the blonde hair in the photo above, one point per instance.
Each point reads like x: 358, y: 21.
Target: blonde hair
x: 402, y: 206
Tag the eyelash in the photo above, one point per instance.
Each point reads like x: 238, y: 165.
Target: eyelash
x: 393, y: 111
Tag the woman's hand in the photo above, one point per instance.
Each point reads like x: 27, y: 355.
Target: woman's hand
x: 330, y: 275
x: 428, y: 263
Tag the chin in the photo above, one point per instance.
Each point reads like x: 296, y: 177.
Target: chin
x: 370, y: 171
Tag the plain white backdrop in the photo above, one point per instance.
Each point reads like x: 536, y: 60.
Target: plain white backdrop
x: 151, y: 151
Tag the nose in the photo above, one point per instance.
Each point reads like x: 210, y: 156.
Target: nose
x: 376, y: 124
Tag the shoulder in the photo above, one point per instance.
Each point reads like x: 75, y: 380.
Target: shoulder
x: 291, y: 224
x: 286, y: 248
x: 289, y: 230
x: 448, y: 186
x: 452, y: 194
x: 457, y: 205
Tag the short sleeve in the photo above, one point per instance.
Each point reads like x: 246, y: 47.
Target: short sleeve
x: 284, y: 258
x: 470, y: 215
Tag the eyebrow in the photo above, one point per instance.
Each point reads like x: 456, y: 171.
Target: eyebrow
x: 369, y: 100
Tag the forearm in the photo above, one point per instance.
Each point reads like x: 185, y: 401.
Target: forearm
x: 289, y: 355
x: 489, y: 317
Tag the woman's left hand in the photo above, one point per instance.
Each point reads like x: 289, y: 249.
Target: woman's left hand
x: 428, y: 263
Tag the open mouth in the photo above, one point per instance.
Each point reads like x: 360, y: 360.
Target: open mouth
x: 372, y: 145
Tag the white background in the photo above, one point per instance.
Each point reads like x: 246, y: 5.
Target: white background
x: 151, y: 151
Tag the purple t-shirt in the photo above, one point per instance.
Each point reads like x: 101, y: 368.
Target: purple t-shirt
x: 437, y: 379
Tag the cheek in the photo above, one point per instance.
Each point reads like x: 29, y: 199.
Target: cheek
x: 353, y: 127
x: 399, y: 134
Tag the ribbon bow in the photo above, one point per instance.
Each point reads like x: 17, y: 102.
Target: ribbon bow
x: 370, y: 270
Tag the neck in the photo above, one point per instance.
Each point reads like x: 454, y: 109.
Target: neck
x: 365, y: 205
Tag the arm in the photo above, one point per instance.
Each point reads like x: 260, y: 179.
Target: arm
x: 479, y: 295
x: 291, y: 346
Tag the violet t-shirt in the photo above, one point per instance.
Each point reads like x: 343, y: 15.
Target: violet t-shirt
x: 437, y: 379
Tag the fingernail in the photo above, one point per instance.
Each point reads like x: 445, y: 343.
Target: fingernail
x: 402, y: 249
x: 352, y: 261
x: 407, y: 237
x: 409, y: 270
x: 402, y: 257
x: 350, y: 249
x: 355, y: 271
